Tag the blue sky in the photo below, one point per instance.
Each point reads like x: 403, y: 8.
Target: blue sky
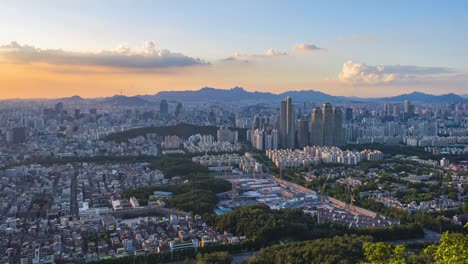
x: 418, y: 33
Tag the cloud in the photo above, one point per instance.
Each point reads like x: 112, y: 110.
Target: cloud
x: 147, y: 57
x: 270, y: 53
x: 307, y: 47
x: 361, y: 73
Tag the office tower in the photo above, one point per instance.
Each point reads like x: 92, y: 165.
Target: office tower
x: 337, y: 127
x: 77, y: 113
x: 407, y: 106
x: 302, y: 133
x: 349, y: 114
x: 282, y: 124
x: 316, y: 128
x: 288, y: 123
x: 163, y: 108
x: 59, y: 108
x: 327, y: 113
x: 396, y: 110
x: 291, y: 122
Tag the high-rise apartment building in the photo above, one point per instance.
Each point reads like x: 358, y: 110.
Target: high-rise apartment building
x: 288, y: 123
x: 407, y: 106
x: 316, y: 128
x: 327, y: 115
x: 348, y: 114
x: 338, y: 138
x: 302, y: 133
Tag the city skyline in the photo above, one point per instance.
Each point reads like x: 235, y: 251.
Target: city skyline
x: 94, y: 50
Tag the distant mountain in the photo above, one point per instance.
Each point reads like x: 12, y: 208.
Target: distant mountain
x: 311, y: 95
x: 238, y: 94
x: 122, y: 100
x: 422, y: 97
x: 208, y: 94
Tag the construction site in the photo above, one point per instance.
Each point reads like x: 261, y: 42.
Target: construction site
x: 276, y: 193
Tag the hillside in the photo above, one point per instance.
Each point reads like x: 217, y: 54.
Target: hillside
x: 182, y: 130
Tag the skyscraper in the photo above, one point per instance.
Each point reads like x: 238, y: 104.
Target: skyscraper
x: 407, y: 106
x: 291, y: 123
x: 302, y: 133
x: 327, y: 113
x: 163, y: 108
x: 349, y: 114
x: 287, y: 123
x: 316, y: 127
x: 338, y: 138
x: 282, y: 124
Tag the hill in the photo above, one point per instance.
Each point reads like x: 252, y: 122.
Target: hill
x: 182, y: 130
x: 208, y: 94
x: 238, y: 94
x: 122, y: 100
x: 423, y: 97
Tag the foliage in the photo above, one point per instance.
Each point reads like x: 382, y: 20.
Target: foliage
x: 198, y: 201
x: 452, y: 248
x: 400, y: 232
x: 200, y: 194
x: 384, y: 253
x: 263, y: 225
x: 183, y: 130
x: 339, y: 249
x: 179, y: 166
x: 214, y: 258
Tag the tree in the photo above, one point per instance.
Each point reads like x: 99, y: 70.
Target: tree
x: 377, y: 252
x: 214, y: 258
x: 384, y: 253
x: 453, y: 248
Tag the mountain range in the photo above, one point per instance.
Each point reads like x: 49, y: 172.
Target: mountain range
x: 240, y: 95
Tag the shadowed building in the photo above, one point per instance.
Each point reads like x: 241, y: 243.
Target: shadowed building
x: 316, y: 128
x: 302, y: 133
x: 327, y: 114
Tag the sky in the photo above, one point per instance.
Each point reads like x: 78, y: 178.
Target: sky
x: 52, y: 49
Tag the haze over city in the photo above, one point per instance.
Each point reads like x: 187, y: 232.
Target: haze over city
x: 51, y: 49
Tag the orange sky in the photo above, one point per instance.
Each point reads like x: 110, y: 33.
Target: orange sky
x: 42, y: 80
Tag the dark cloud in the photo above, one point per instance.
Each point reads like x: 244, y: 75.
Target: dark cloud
x: 148, y: 57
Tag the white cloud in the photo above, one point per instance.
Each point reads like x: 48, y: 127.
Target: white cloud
x: 146, y: 57
x: 270, y: 53
x: 361, y: 73
x: 307, y: 47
